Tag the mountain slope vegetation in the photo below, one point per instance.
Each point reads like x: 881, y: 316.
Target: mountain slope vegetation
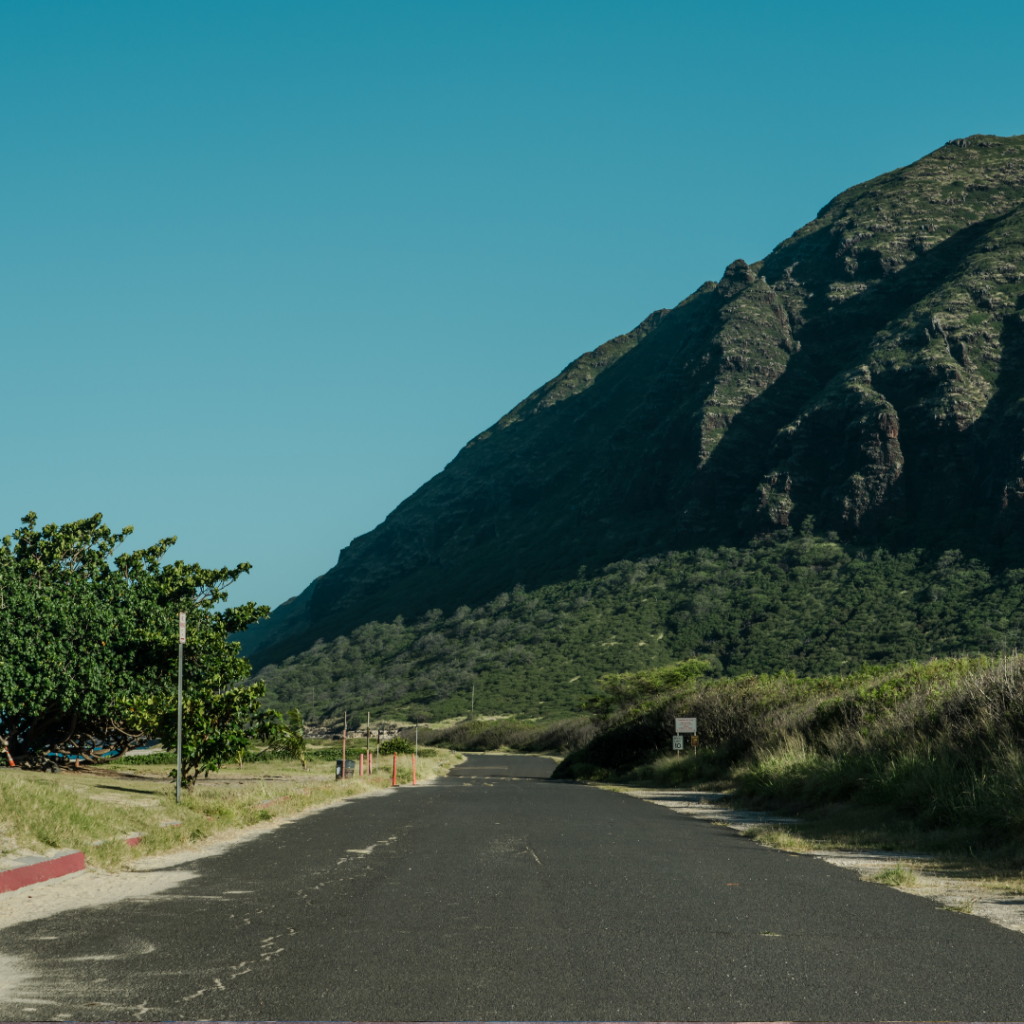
x: 864, y: 380
x: 801, y: 604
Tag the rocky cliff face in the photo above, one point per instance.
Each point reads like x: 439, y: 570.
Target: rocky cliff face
x: 869, y: 372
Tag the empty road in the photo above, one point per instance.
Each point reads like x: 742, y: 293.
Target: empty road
x: 496, y: 894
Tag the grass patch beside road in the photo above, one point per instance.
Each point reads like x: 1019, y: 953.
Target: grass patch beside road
x: 900, y: 875
x: 41, y: 812
x: 913, y: 757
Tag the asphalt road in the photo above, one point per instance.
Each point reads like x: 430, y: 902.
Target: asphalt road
x: 499, y: 895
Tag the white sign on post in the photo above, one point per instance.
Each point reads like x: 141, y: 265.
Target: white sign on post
x: 181, y: 627
x: 678, y: 743
x: 686, y: 725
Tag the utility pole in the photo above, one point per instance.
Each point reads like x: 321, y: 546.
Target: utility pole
x: 181, y: 668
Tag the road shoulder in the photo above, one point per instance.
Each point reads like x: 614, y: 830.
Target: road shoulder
x: 925, y: 874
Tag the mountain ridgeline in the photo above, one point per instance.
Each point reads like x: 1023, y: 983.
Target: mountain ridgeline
x: 862, y: 384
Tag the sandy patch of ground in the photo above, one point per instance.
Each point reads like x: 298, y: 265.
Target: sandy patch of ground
x: 954, y: 894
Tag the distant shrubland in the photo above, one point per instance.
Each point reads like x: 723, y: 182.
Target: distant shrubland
x: 561, y: 737
x: 795, y: 602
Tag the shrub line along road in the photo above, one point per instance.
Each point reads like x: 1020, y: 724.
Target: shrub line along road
x: 498, y: 894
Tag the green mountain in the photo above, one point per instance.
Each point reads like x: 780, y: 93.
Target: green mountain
x: 864, y: 380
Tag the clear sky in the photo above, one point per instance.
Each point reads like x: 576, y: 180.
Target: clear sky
x: 266, y: 267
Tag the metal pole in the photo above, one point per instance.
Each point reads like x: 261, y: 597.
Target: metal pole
x: 344, y: 744
x: 181, y: 666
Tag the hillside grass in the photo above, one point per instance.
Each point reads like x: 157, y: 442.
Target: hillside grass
x: 73, y: 809
x: 924, y: 756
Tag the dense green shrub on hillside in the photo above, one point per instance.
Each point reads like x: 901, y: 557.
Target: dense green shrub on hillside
x: 802, y: 604
x: 561, y: 737
x: 938, y: 742
x: 398, y: 745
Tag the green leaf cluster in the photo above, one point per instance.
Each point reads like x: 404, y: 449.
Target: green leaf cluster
x: 88, y: 651
x: 290, y: 738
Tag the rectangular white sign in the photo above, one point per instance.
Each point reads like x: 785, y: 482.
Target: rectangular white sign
x: 181, y: 627
x: 678, y: 743
x: 686, y: 725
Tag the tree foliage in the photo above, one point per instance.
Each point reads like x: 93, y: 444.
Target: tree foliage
x: 290, y: 738
x: 88, y: 650
x: 793, y: 602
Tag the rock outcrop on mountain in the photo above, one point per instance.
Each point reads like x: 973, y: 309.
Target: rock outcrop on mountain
x: 869, y: 372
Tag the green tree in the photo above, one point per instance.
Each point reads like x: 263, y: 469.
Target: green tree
x: 88, y: 650
x: 290, y: 739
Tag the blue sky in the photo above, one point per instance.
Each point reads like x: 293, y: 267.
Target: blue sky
x: 265, y: 268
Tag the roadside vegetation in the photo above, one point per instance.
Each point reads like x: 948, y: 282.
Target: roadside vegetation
x: 913, y: 756
x: 560, y: 737
x: 796, y: 601
x: 89, y: 652
x: 96, y: 809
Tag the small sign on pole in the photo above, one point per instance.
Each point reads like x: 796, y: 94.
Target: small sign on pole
x: 181, y: 627
x: 686, y: 725
x: 678, y: 743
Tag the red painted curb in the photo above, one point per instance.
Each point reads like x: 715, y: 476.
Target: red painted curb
x: 40, y: 869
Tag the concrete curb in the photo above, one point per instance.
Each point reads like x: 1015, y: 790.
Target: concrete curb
x: 30, y: 870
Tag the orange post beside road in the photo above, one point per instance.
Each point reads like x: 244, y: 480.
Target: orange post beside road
x: 394, y: 769
x: 414, y: 769
x: 360, y: 766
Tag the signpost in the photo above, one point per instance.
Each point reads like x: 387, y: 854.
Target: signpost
x: 685, y: 727
x: 181, y: 667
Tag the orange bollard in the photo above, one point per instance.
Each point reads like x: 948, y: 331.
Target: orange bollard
x: 394, y: 770
x: 414, y: 769
x: 360, y: 766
